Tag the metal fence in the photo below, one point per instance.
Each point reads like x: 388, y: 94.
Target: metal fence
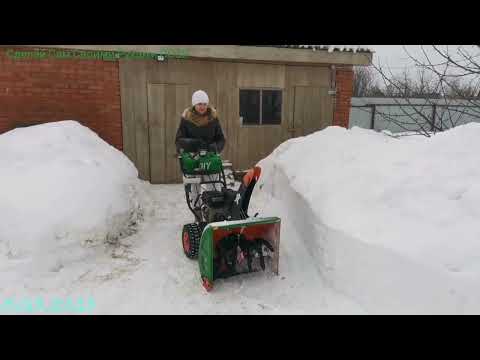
x: 401, y: 115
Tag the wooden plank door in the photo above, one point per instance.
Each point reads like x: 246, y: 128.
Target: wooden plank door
x: 313, y: 110
x: 165, y: 105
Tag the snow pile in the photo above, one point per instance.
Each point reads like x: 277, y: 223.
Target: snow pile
x: 63, y: 190
x: 393, y: 223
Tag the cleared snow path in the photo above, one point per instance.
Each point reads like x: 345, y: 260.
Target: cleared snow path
x: 147, y: 273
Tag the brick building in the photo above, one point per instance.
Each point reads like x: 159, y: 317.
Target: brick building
x: 264, y: 94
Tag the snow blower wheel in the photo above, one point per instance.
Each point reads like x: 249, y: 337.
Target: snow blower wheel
x: 191, y: 240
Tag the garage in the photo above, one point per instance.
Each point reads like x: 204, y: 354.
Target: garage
x: 264, y: 95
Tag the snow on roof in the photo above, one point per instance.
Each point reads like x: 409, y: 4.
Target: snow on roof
x: 330, y: 48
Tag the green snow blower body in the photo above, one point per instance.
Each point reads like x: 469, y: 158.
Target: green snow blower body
x: 210, y: 163
x: 224, y: 238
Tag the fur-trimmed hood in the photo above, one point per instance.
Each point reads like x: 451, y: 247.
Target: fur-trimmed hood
x: 191, y: 115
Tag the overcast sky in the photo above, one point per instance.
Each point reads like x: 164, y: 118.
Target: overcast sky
x: 395, y: 57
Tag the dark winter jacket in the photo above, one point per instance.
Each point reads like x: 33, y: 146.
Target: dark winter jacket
x: 206, y: 127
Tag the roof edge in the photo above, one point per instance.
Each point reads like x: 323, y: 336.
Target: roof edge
x: 238, y: 53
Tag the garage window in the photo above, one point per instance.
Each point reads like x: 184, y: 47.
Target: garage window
x: 260, y: 106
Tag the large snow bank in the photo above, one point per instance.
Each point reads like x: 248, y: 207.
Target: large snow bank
x: 62, y: 190
x: 393, y: 223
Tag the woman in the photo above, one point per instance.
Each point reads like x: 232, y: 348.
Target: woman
x: 201, y: 122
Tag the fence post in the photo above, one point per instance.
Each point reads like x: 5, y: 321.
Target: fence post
x: 372, y: 120
x: 434, y: 115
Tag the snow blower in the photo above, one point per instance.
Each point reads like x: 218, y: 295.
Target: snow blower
x: 224, y: 238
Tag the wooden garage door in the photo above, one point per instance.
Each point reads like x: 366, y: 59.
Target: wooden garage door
x: 166, y: 102
x: 165, y: 105
x: 313, y: 110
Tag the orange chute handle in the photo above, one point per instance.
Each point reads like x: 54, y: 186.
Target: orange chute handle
x: 252, y: 174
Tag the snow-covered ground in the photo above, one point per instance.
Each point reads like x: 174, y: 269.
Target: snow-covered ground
x: 69, y: 200
x: 147, y: 273
x: 370, y: 224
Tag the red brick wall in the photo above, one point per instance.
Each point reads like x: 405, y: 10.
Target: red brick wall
x: 34, y: 91
x: 344, y: 80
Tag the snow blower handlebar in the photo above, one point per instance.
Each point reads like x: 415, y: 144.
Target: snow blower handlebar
x: 195, y: 145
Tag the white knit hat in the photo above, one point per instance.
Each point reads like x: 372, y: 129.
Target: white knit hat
x: 199, y: 97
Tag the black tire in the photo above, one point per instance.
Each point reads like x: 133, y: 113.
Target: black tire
x: 191, y: 235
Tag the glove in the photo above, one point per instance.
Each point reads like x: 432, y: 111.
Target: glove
x: 203, y: 146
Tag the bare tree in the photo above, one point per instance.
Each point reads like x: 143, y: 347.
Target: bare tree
x: 420, y: 85
x: 363, y: 81
x: 448, y: 90
x: 464, y: 89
